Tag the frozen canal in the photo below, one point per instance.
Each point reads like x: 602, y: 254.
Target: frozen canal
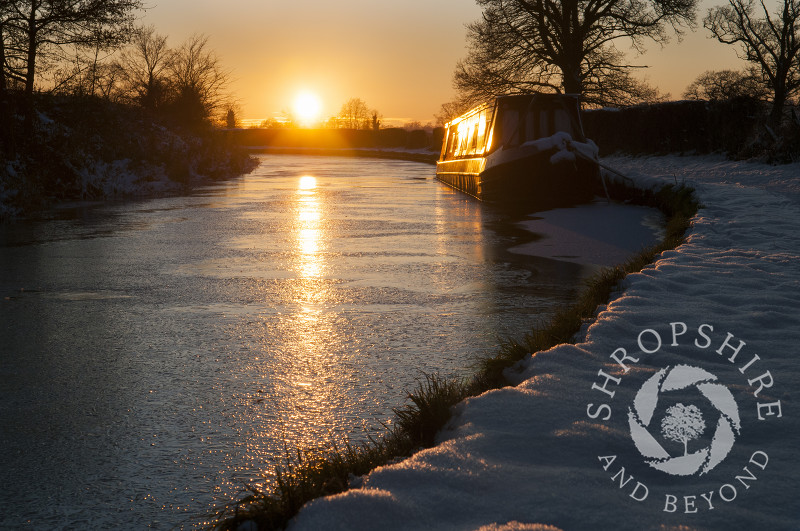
x: 155, y: 354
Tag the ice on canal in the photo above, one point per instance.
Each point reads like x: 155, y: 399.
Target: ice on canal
x: 158, y: 353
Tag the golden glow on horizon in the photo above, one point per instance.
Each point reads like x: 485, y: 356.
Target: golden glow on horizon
x: 307, y: 107
x: 321, y: 46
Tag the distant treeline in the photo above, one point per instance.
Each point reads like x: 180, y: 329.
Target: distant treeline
x: 339, y: 138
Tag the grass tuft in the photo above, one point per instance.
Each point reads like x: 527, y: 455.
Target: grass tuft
x: 429, y: 408
x: 312, y: 473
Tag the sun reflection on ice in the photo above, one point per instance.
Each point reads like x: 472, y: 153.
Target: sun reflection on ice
x: 309, y: 232
x: 308, y: 182
x: 311, y: 370
x: 311, y: 291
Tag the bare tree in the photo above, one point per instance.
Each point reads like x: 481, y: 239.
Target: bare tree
x: 35, y: 31
x: 452, y: 109
x: 143, y: 69
x: 199, y: 80
x: 36, y: 28
x: 87, y: 70
x: 564, y: 45
x: 683, y: 424
x: 354, y: 114
x: 720, y: 85
x: 769, y: 41
x: 10, y: 39
x: 10, y: 46
x: 231, y: 111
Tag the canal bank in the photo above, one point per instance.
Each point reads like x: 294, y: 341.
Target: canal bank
x: 87, y: 149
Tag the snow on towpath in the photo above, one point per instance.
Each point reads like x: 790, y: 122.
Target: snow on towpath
x: 587, y: 442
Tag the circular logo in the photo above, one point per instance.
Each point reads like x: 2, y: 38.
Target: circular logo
x: 683, y: 423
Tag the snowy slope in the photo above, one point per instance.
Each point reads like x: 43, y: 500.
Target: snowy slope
x: 550, y: 451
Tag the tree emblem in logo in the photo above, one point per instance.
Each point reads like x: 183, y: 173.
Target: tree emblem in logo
x: 683, y: 423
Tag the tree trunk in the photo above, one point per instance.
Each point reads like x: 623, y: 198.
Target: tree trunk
x: 2, y: 60
x: 30, y: 72
x: 572, y: 79
x: 776, y: 115
x: 7, y: 146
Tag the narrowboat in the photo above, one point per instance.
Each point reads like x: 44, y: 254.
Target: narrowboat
x: 526, y: 147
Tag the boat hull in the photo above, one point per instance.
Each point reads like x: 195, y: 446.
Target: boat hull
x: 530, y: 178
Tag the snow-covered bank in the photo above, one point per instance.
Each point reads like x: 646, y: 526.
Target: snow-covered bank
x: 567, y: 446
x: 95, y: 150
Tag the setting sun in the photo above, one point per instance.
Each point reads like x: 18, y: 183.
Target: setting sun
x: 307, y: 108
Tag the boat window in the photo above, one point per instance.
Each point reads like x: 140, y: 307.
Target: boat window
x: 509, y: 126
x: 482, y: 132
x: 463, y: 138
x: 536, y: 124
x: 451, y: 138
x: 531, y: 131
x: 467, y: 137
x: 561, y: 121
x: 485, y: 135
x: 547, y: 121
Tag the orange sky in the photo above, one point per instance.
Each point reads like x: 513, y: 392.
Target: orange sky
x: 397, y: 56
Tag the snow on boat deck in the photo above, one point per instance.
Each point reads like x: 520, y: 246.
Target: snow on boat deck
x: 540, y: 454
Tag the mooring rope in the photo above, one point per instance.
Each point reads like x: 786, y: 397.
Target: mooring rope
x: 600, y: 165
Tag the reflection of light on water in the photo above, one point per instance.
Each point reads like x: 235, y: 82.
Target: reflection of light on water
x: 309, y: 217
x: 310, y: 369
x: 307, y: 182
x: 330, y: 361
x: 308, y: 240
x: 466, y: 214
